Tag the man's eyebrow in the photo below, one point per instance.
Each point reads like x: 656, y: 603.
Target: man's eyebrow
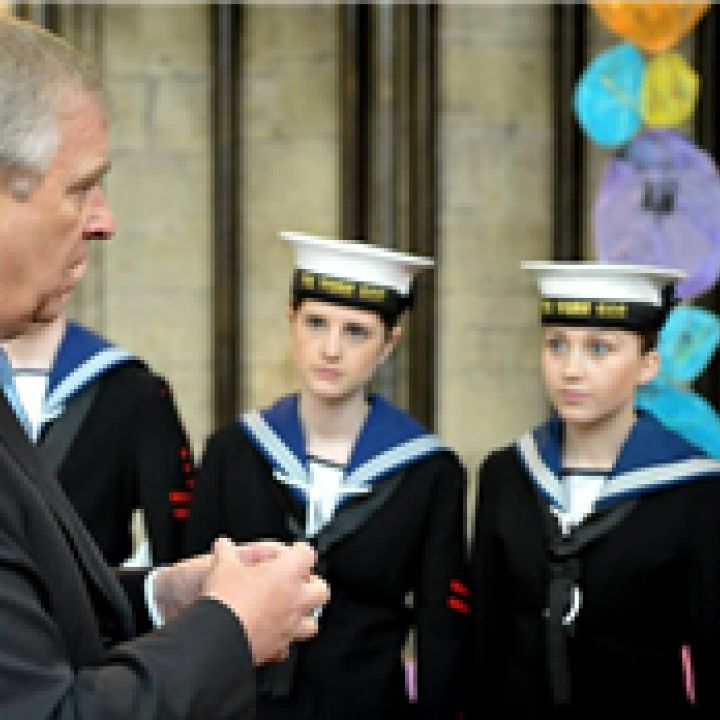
x: 91, y: 178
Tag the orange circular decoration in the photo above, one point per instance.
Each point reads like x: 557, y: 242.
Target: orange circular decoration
x: 652, y: 26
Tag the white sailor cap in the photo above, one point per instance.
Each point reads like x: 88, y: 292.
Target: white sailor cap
x: 354, y: 273
x: 636, y: 297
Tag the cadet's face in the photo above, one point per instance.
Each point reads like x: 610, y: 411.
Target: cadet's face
x: 44, y: 235
x: 337, y: 349
x: 591, y: 374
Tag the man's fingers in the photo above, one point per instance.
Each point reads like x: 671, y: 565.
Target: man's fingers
x: 301, y: 559
x: 316, y: 592
x: 255, y: 552
x: 306, y: 628
x: 222, y: 547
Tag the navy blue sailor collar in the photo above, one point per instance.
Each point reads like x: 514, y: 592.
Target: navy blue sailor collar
x: 388, y: 441
x: 82, y: 357
x: 652, y: 458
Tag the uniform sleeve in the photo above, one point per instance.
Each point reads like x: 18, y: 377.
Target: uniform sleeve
x: 487, y: 600
x: 442, y: 602
x: 198, y: 666
x: 206, y: 512
x: 704, y: 598
x: 164, y: 471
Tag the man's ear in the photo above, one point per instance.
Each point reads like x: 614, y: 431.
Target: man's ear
x: 650, y: 366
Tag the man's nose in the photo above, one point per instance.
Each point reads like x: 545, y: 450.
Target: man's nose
x: 99, y: 221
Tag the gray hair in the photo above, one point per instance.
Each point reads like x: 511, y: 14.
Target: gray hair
x: 37, y: 71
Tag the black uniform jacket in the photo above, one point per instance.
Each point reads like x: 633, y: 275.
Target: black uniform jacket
x: 66, y: 624
x: 649, y: 586
x: 130, y: 451
x: 393, y: 558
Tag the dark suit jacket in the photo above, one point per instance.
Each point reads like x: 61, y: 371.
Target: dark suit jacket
x: 66, y: 624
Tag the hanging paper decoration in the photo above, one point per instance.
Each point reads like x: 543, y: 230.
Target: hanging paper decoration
x: 607, y: 96
x: 683, y: 411
x: 652, y: 26
x: 686, y: 344
x: 659, y: 204
x: 669, y: 91
x: 659, y: 201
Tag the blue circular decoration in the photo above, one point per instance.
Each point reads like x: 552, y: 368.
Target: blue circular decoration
x: 607, y: 96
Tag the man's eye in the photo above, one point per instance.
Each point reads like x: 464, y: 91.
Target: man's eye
x: 555, y: 344
x: 80, y: 193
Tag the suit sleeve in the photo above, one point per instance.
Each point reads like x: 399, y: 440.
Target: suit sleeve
x: 198, y: 667
x: 442, y: 602
x: 164, y: 472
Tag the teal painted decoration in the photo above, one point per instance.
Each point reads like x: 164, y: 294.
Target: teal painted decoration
x: 607, y: 96
x: 686, y: 345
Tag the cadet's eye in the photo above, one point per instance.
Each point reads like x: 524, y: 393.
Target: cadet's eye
x: 555, y: 344
x: 599, y: 347
x: 314, y: 322
x: 357, y: 331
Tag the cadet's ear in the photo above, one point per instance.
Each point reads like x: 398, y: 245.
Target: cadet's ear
x: 650, y: 366
x: 393, y: 338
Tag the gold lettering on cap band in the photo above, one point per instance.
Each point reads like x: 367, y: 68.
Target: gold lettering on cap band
x: 307, y: 281
x: 372, y: 293
x: 622, y: 313
x: 585, y: 309
x: 334, y: 286
x: 574, y: 308
x: 613, y: 310
x: 347, y: 290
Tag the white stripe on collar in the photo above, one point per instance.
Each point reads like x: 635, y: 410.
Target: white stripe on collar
x: 656, y: 476
x: 543, y: 476
x: 381, y: 464
x: 275, y: 447
x: 292, y: 473
x: 78, y: 378
x: 627, y: 483
x: 392, y: 459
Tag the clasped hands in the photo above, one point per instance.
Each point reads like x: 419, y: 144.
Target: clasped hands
x: 269, y: 586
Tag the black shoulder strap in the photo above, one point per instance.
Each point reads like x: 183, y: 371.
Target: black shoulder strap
x: 349, y: 518
x: 276, y: 679
x: 563, y: 593
x: 56, y: 442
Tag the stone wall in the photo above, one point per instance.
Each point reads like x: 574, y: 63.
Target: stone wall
x: 290, y: 167
x: 151, y: 287
x: 496, y: 210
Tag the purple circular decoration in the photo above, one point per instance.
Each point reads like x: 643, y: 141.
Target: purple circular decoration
x: 659, y: 204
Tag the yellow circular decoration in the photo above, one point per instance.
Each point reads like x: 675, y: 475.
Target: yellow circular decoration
x: 652, y: 26
x: 669, y: 91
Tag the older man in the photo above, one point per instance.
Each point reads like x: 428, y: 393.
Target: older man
x: 66, y: 643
